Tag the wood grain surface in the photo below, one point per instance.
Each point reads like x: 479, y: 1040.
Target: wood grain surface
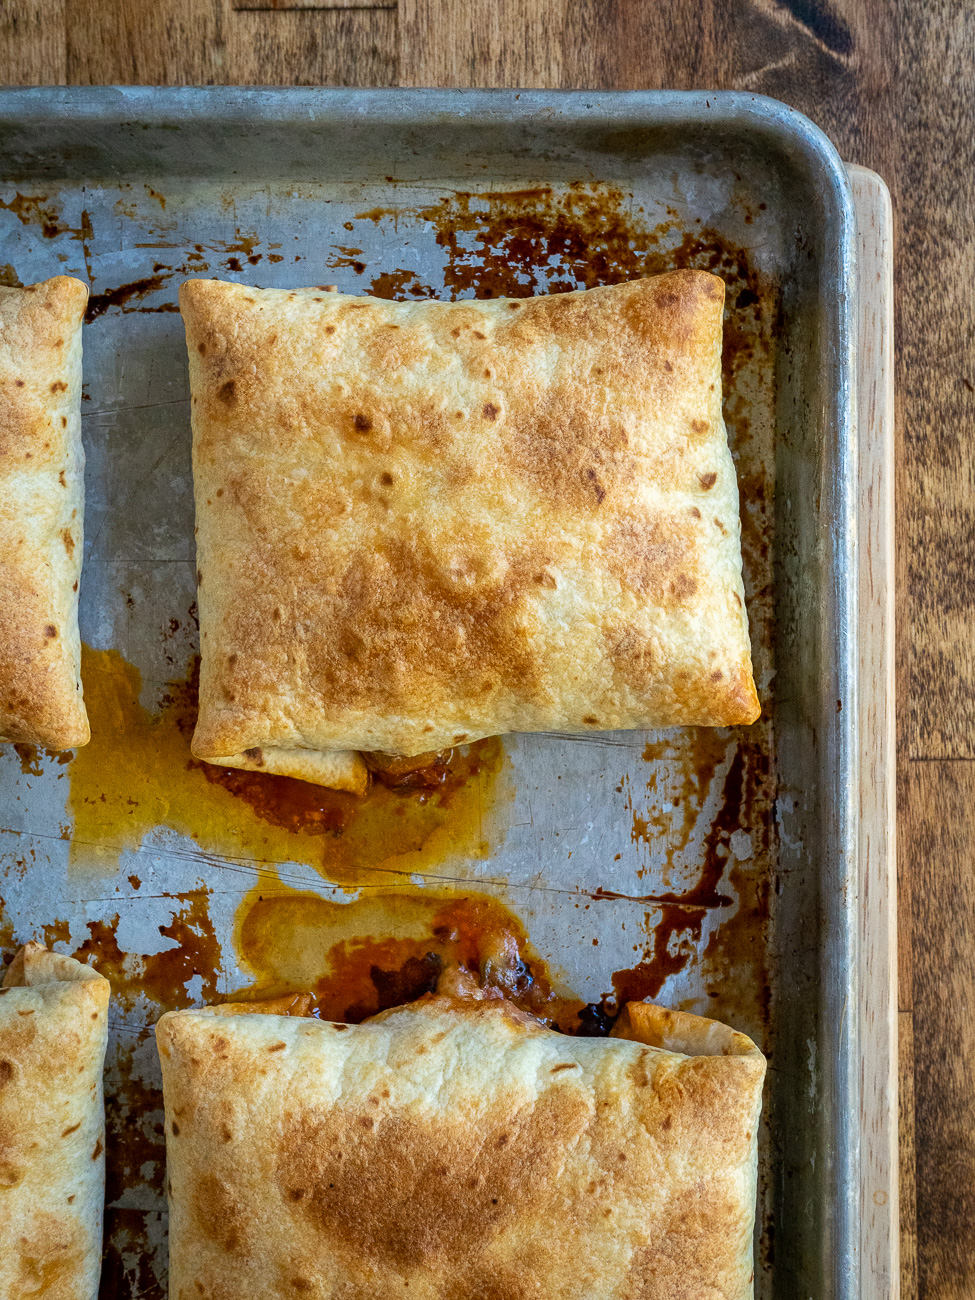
x: 892, y: 82
x: 879, y: 1193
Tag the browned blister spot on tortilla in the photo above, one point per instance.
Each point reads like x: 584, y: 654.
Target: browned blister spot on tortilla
x: 656, y: 557
x: 50, y: 1260
x: 221, y: 1214
x: 465, y: 618
x: 400, y: 1193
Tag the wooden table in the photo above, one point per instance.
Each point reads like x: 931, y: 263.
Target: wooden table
x: 893, y: 84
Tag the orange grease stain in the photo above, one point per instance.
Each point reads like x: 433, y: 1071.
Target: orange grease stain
x: 387, y: 947
x: 137, y: 774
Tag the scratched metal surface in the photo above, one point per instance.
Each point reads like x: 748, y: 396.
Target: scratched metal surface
x: 721, y: 871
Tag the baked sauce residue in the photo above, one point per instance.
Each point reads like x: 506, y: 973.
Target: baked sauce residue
x: 137, y: 774
x: 37, y: 210
x: 733, y: 970
x: 100, y: 303
x: 163, y: 979
x: 387, y: 947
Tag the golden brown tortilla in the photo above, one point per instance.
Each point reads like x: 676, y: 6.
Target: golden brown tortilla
x: 41, y: 507
x: 53, y: 1032
x: 424, y: 523
x: 456, y: 1149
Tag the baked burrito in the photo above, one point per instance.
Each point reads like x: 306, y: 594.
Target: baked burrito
x: 454, y: 1149
x: 42, y: 492
x: 53, y: 1031
x: 424, y: 523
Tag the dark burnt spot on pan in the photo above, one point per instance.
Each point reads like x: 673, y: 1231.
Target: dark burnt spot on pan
x: 675, y: 920
x: 399, y: 285
x: 128, y: 1264
x: 519, y: 243
x: 100, y: 303
x: 350, y: 257
x: 38, y: 210
x: 683, y: 915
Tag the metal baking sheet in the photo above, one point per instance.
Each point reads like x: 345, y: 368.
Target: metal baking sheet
x: 714, y: 871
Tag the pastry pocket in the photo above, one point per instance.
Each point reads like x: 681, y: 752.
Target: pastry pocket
x: 53, y: 1032
x: 41, y: 513
x: 456, y: 1147
x: 424, y: 523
